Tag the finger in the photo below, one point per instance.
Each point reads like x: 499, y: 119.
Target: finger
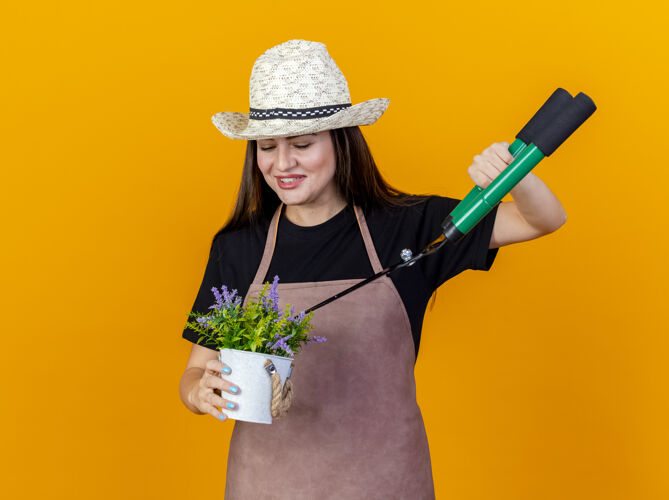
x: 225, y: 403
x: 209, y: 404
x: 487, y: 171
x: 210, y: 383
x: 492, y: 159
x: 478, y: 176
x: 217, y: 383
x: 501, y: 149
x: 215, y: 400
x: 231, y: 388
x: 487, y: 178
x: 216, y: 366
x: 493, y: 164
x: 492, y: 153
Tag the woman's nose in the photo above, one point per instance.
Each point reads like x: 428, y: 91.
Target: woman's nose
x: 284, y: 159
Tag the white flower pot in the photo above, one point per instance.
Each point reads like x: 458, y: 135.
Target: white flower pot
x: 255, y: 385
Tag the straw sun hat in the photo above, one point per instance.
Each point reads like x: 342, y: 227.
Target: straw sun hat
x: 296, y: 88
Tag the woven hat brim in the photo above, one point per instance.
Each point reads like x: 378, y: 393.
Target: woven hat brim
x: 238, y: 126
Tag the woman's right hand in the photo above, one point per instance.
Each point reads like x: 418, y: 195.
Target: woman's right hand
x: 206, y: 394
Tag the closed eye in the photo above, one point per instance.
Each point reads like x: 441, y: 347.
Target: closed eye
x: 305, y: 146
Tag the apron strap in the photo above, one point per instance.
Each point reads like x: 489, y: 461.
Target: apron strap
x: 269, y: 247
x: 369, y: 244
x: 271, y: 242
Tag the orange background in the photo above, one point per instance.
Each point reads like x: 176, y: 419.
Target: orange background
x: 545, y: 378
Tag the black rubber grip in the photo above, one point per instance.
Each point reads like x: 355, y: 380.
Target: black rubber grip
x: 564, y: 124
x: 452, y: 233
x: 551, y: 108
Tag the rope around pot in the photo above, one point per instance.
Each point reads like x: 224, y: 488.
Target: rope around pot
x: 281, y: 399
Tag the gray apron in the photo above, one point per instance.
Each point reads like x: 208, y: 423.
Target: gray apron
x: 354, y: 429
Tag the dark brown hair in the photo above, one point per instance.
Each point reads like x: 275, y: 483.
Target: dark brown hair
x: 356, y: 176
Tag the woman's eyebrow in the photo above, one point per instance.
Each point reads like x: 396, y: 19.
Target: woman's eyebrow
x: 303, y: 135
x: 291, y: 136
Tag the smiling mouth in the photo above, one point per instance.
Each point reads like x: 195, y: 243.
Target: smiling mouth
x: 290, y: 180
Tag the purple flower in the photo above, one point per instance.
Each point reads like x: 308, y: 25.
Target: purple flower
x: 281, y: 343
x: 203, y: 321
x: 276, y: 338
x: 225, y: 300
x: 289, y: 318
x: 274, y: 295
x: 219, y: 299
x: 271, y: 303
x: 316, y: 339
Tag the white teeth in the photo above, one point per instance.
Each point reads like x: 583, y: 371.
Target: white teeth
x: 289, y: 179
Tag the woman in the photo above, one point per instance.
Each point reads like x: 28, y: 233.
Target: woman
x: 313, y: 209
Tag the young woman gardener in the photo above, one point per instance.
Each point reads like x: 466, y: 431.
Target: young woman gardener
x: 313, y: 209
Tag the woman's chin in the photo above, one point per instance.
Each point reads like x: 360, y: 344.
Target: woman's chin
x: 292, y: 198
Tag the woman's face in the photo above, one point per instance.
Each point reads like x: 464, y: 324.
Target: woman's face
x: 308, y: 157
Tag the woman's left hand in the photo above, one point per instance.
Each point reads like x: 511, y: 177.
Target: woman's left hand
x: 490, y: 163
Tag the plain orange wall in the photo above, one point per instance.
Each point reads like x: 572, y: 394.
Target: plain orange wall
x: 549, y: 380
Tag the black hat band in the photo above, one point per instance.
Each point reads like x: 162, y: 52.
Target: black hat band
x: 295, y: 114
